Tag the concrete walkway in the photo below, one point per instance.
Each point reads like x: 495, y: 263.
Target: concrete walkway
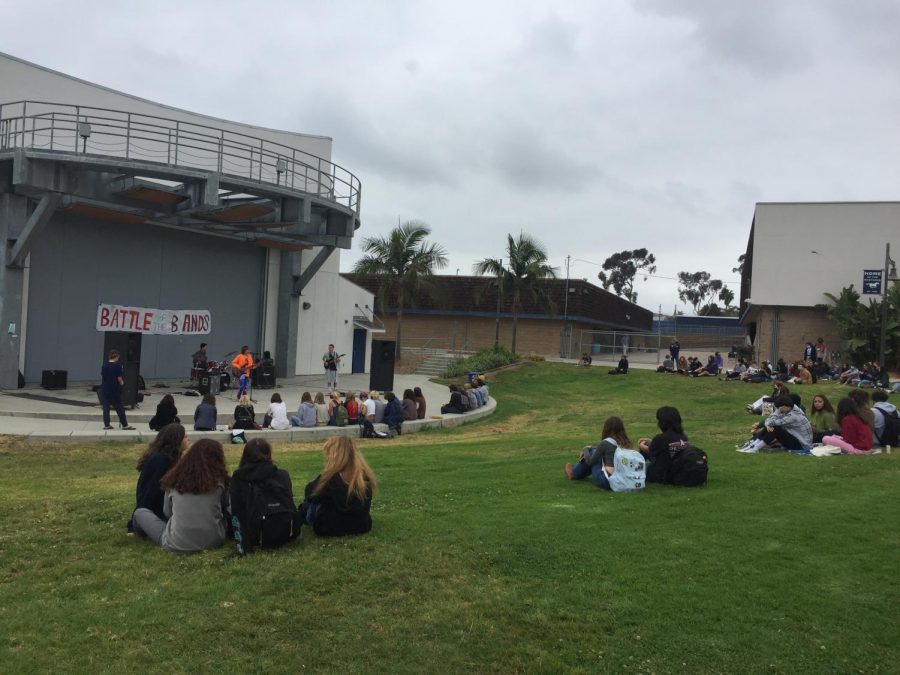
x: 74, y: 415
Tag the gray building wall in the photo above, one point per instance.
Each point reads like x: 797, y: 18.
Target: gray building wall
x: 76, y: 265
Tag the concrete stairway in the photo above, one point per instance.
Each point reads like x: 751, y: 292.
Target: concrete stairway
x: 435, y: 364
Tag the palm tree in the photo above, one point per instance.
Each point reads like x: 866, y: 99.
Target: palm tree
x: 405, y: 262
x: 527, y: 265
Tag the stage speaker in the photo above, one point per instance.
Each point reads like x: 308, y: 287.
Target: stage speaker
x: 381, y: 365
x: 54, y: 379
x: 129, y: 348
x: 264, y: 376
x: 209, y: 384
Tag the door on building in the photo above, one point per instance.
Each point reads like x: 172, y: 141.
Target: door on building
x: 359, y: 350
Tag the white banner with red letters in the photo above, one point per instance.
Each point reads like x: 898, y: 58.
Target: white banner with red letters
x: 153, y: 321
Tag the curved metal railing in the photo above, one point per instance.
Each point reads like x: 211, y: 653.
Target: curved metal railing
x: 87, y: 130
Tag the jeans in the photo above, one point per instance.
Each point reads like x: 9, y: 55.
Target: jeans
x: 597, y: 473
x: 114, y: 401
x: 148, y: 524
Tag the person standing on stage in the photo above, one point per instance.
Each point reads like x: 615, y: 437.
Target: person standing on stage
x: 113, y: 378
x: 242, y: 365
x: 199, y: 358
x: 332, y: 360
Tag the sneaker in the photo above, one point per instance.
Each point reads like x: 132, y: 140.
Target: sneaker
x: 568, y: 470
x: 108, y: 428
x: 748, y: 448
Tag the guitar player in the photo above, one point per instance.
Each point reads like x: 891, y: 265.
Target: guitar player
x: 332, y: 360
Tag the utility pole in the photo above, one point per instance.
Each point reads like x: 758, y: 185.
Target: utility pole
x: 566, y: 310
x: 499, y: 277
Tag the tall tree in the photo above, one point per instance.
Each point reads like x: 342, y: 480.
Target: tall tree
x: 726, y: 295
x: 405, y: 262
x: 620, y: 268
x: 526, y: 266
x: 699, y: 289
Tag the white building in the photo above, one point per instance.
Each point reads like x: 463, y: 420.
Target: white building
x: 798, y: 252
x: 106, y: 198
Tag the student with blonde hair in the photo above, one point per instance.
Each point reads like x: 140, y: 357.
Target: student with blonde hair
x: 338, y: 501
x: 322, y: 413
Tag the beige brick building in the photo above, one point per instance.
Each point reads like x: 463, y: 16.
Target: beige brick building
x: 798, y: 252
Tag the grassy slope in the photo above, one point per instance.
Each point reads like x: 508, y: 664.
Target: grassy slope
x: 483, y: 556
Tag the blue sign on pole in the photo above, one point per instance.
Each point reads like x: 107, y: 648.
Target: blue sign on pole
x: 871, y: 282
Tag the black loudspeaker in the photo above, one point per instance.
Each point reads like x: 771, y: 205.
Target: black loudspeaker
x: 54, y: 379
x: 209, y: 384
x: 264, y: 376
x: 381, y: 365
x: 129, y: 347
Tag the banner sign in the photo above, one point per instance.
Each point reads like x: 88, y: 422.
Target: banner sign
x: 871, y: 282
x: 153, y: 321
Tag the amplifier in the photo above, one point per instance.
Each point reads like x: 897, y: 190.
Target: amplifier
x: 209, y: 384
x: 54, y: 379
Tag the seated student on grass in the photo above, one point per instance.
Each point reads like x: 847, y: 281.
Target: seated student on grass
x: 586, y: 360
x: 785, y: 428
x: 306, y: 413
x: 161, y: 455
x: 822, y: 418
x: 622, y: 368
x: 861, y: 399
x: 668, y: 419
x: 597, y: 461
x: 668, y: 366
x: 205, y: 414
x: 338, y: 500
x: 257, y: 476
x: 682, y: 365
x: 195, y: 503
x: 711, y: 369
x: 882, y: 410
x: 739, y: 369
x: 166, y: 413
x: 779, y: 388
x: 856, y: 436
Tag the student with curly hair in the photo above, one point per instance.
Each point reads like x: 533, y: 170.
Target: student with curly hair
x: 161, y: 455
x: 339, y: 500
x: 195, y: 502
x: 822, y: 418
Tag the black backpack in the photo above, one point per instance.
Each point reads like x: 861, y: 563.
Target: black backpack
x: 688, y: 465
x: 890, y: 432
x: 271, y: 518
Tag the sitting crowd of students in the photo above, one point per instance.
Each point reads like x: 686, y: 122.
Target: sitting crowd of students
x: 467, y: 397
x: 186, y: 501
x: 855, y: 427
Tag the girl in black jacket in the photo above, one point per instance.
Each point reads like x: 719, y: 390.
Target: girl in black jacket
x: 657, y: 450
x: 262, y: 500
x: 166, y: 413
x: 160, y: 456
x: 338, y: 501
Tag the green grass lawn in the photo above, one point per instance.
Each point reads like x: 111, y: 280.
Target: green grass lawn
x: 483, y: 558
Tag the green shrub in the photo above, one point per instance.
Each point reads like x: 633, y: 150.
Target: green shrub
x: 486, y: 359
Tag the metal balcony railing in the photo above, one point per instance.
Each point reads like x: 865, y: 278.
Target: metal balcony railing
x: 99, y: 131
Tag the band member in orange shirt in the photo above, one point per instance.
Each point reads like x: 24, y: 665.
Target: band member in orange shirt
x: 242, y: 365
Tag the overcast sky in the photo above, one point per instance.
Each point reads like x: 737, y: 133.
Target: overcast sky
x: 594, y: 126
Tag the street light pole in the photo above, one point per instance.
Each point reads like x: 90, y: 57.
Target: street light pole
x: 890, y: 274
x: 499, y: 283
